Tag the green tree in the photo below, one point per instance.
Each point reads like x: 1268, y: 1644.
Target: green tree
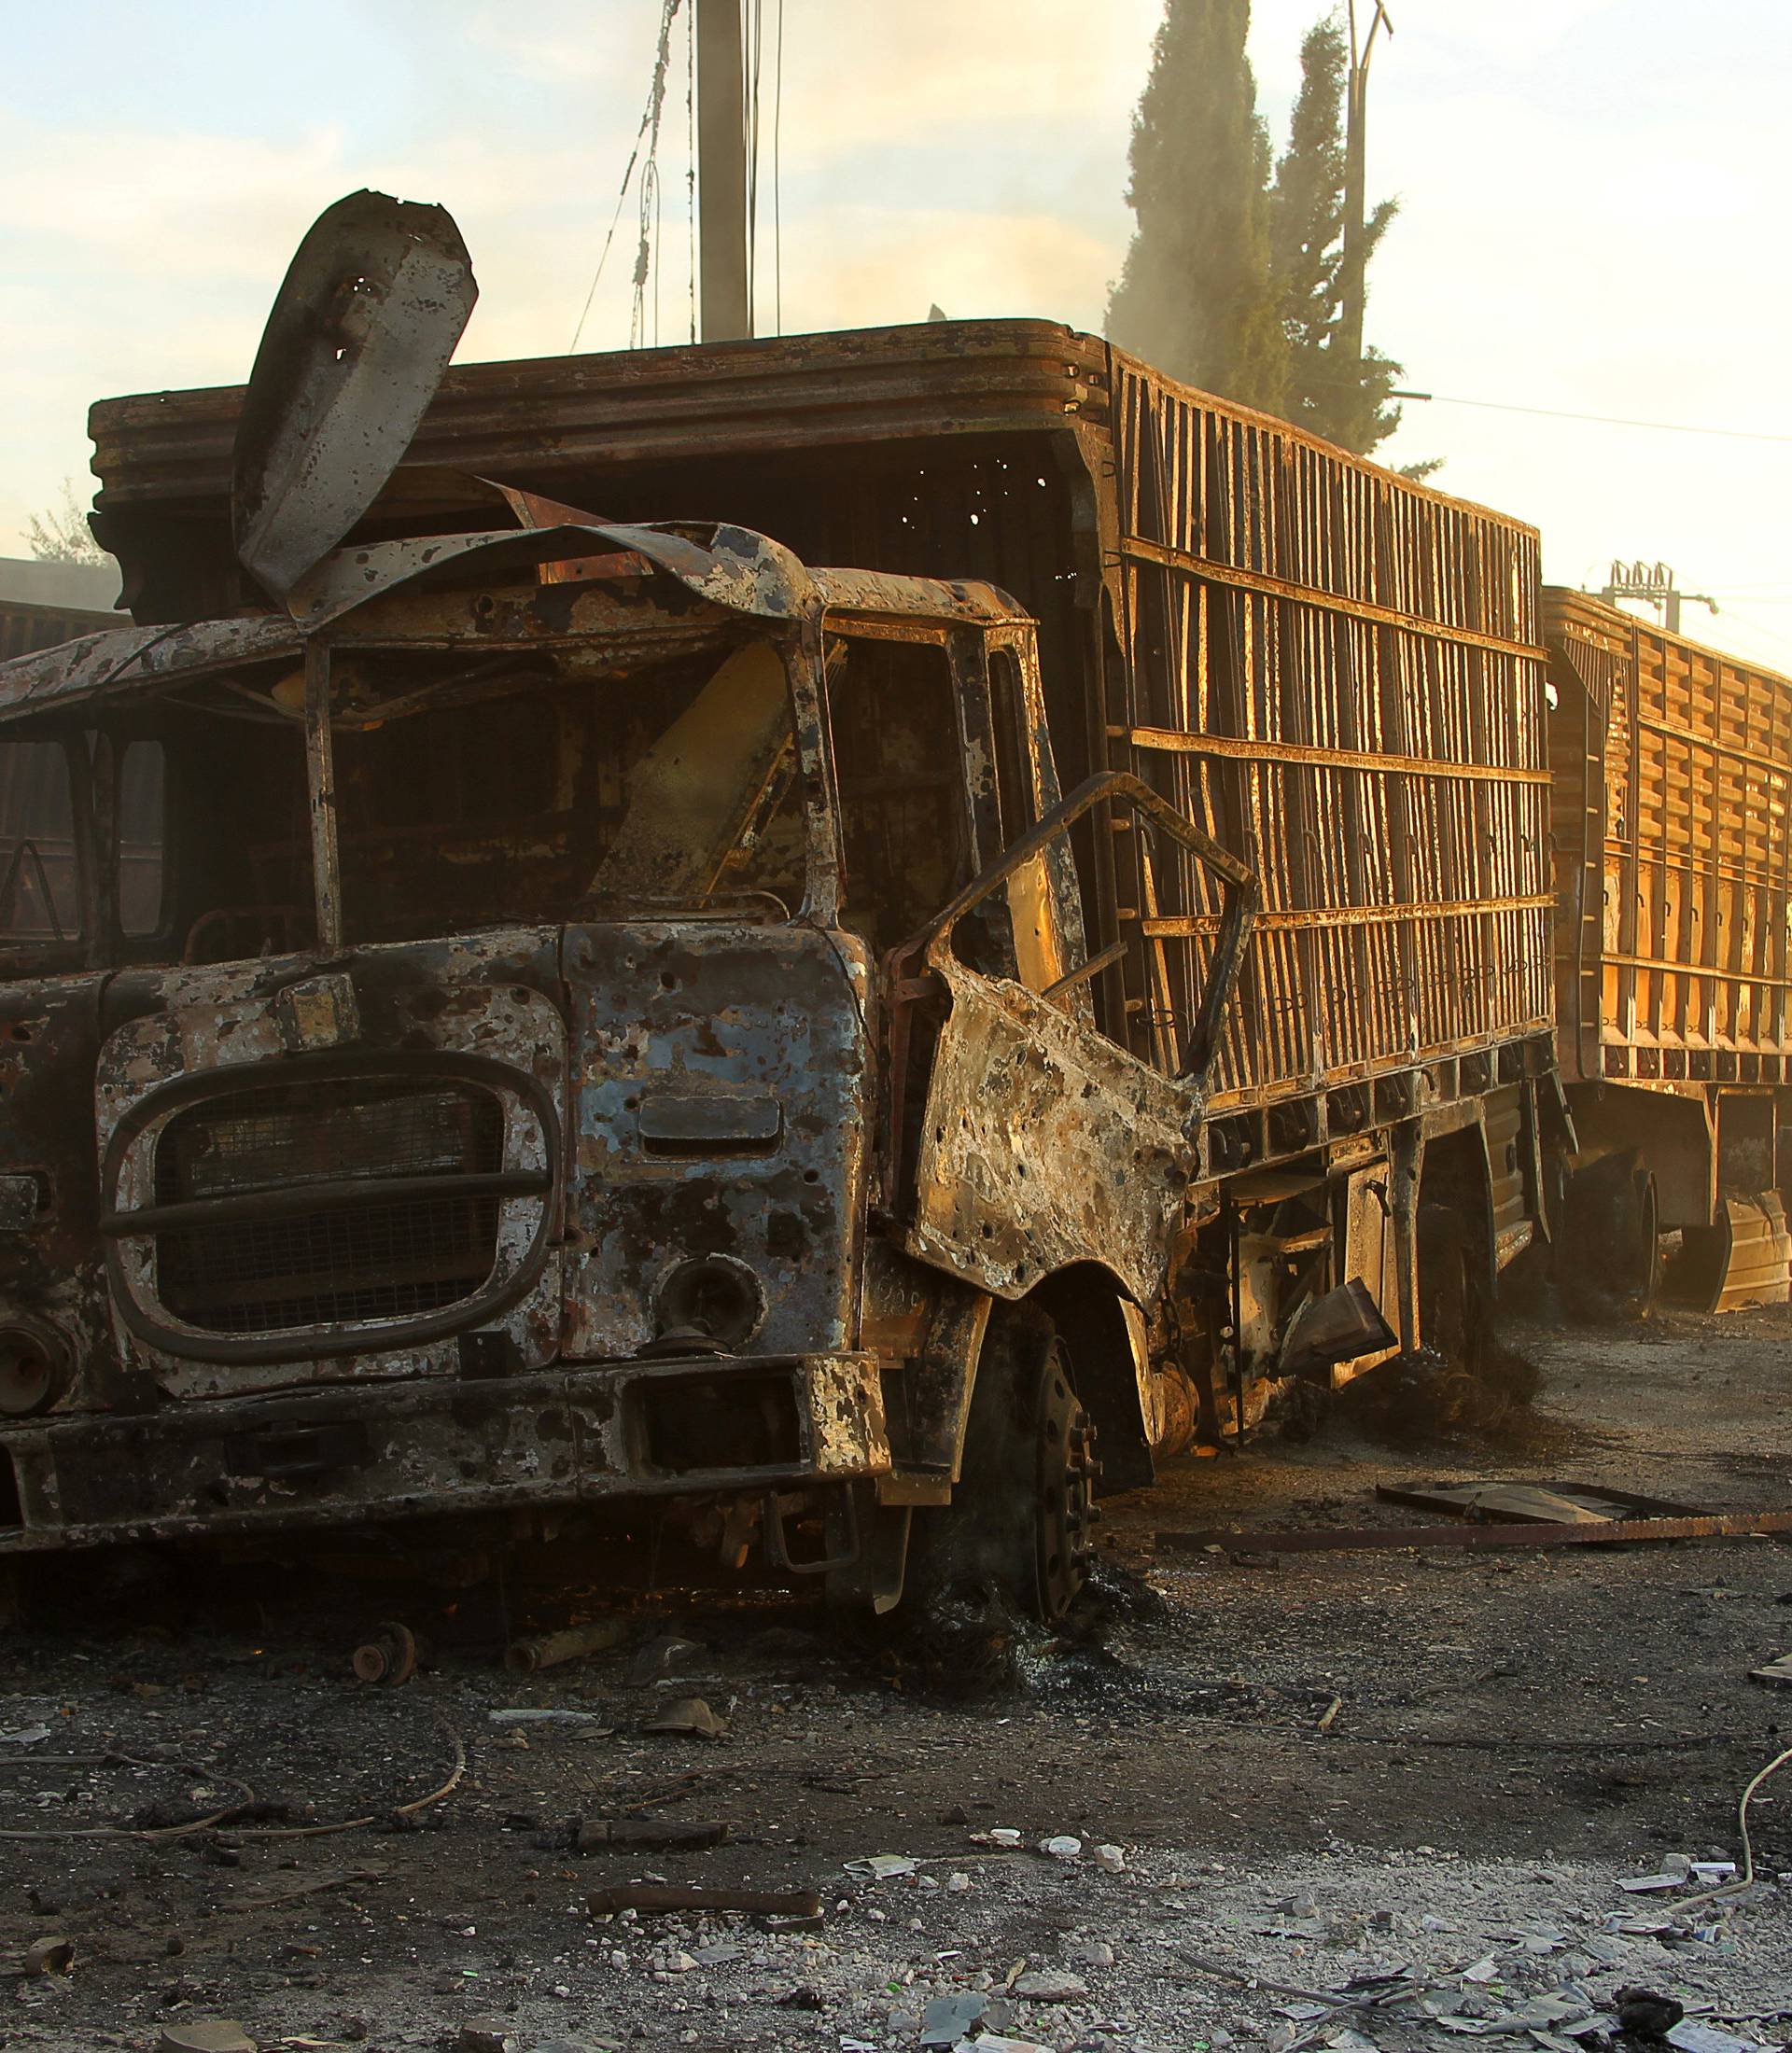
x: 1347, y: 403
x: 1197, y: 296
x: 60, y: 534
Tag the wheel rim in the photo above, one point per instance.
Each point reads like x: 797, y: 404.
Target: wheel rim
x: 1066, y: 1513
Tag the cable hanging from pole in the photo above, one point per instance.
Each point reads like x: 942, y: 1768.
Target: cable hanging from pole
x: 649, y: 130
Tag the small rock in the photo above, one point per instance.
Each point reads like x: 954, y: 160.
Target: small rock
x: 1110, y: 1860
x: 1051, y: 1985
x: 484, y: 2035
x: 958, y: 1881
x: 946, y: 2020
x: 1645, y: 2013
x: 1092, y: 1953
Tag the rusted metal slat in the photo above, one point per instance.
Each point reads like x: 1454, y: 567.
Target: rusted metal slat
x: 1361, y: 1538
x: 1182, y: 926
x: 1170, y: 742
x: 1281, y: 588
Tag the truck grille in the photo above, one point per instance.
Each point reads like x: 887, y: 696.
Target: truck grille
x: 387, y: 1255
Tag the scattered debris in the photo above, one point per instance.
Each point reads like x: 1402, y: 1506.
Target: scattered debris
x: 1062, y: 1847
x: 1535, y: 1504
x: 644, y: 1834
x: 544, y: 1720
x: 524, y: 1656
x: 390, y: 1655
x: 205, y: 2035
x: 946, y: 2020
x: 881, y: 1868
x: 659, y: 1658
x: 484, y: 2035
x: 53, y: 1955
x: 1692, y: 2036
x: 1779, y: 1669
x: 1642, y: 2010
x: 688, y: 1714
x: 25, y: 1735
x: 653, y: 1899
x: 267, y: 1896
x: 1349, y: 1539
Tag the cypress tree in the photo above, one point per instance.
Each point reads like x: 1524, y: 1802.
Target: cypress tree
x: 1197, y: 296
x: 1346, y: 403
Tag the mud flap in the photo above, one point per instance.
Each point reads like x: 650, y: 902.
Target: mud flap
x: 873, y: 1578
x: 1745, y: 1258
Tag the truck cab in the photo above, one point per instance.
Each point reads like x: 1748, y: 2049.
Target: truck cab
x: 550, y: 1016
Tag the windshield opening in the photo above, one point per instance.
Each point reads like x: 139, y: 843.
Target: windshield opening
x: 578, y: 792
x: 514, y: 788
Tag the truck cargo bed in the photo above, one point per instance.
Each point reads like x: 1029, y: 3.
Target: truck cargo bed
x: 1673, y: 769
x: 1334, y: 670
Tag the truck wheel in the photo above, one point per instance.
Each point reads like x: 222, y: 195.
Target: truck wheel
x: 1610, y: 1254
x: 1020, y: 1527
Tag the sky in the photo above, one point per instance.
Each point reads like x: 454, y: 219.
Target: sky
x: 1591, y: 197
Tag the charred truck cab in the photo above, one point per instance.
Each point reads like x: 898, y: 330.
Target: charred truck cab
x: 478, y: 1105
x: 516, y: 1012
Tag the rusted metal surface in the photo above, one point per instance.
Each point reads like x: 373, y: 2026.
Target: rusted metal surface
x: 1042, y: 1143
x: 1672, y: 827
x: 733, y: 1019
x: 630, y: 1000
x: 1672, y: 777
x: 1365, y: 724
x: 26, y: 625
x: 1366, y: 1538
x: 362, y: 330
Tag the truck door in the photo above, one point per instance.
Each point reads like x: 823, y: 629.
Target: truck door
x: 1043, y: 1142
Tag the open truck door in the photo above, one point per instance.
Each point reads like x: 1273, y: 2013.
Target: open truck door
x: 1044, y: 1142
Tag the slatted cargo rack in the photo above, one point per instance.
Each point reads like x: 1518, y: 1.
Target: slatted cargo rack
x: 1673, y: 830
x: 1337, y: 673
x: 1333, y: 668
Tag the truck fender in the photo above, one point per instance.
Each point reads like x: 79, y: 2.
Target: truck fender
x: 1107, y: 1338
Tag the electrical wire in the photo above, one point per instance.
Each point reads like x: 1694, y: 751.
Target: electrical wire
x: 650, y: 122
x: 755, y: 30
x: 1602, y: 420
x: 1746, y: 1878
x: 690, y: 154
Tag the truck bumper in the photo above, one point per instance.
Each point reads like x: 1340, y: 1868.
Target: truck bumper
x: 356, y: 1455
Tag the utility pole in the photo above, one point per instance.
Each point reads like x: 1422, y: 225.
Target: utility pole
x: 1350, y: 333
x: 1653, y: 581
x: 725, y: 285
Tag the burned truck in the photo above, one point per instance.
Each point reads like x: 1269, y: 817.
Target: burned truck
x: 1673, y: 958
x: 625, y: 1017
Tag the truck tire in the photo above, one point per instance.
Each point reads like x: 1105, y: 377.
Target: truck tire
x: 1019, y: 1530
x: 1609, y: 1255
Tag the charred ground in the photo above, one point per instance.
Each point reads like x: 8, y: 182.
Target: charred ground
x: 1578, y: 1712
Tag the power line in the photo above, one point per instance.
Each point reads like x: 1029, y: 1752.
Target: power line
x: 1604, y: 420
x: 650, y: 119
